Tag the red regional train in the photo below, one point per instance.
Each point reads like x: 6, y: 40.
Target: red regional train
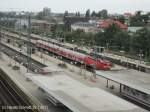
x: 75, y: 56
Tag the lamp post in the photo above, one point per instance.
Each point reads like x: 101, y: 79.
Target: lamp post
x: 107, y: 46
x: 81, y: 68
x: 72, y: 65
x: 84, y: 70
x: 73, y: 44
x: 95, y: 64
x: 20, y: 57
x: 61, y: 60
x: 15, y: 60
x: 141, y: 55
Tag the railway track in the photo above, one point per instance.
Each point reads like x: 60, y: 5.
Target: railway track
x: 22, y: 58
x: 12, y: 98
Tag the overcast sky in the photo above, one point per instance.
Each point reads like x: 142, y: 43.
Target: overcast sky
x: 113, y: 6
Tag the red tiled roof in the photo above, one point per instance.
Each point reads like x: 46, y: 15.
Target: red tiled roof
x: 106, y: 23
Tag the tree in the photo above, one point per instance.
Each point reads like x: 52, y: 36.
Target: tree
x: 110, y: 32
x: 100, y: 39
x: 78, y: 14
x: 103, y: 38
x: 93, y: 14
x: 139, y: 19
x: 2, y: 14
x: 141, y: 41
x: 145, y: 18
x: 138, y: 13
x: 104, y: 14
x: 121, y: 19
x: 122, y: 40
x: 99, y: 14
x: 66, y: 14
x: 87, y: 14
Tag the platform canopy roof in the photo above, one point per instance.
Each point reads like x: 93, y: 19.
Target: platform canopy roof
x: 131, y: 78
x: 79, y: 97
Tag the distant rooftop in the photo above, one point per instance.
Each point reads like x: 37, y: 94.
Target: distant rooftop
x: 134, y: 29
x: 106, y: 23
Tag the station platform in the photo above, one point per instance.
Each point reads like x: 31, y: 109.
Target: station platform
x: 133, y: 84
x: 132, y: 78
x: 79, y: 97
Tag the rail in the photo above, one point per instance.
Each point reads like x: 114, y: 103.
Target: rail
x: 14, y: 95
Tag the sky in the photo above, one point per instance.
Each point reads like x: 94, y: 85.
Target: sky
x: 113, y: 6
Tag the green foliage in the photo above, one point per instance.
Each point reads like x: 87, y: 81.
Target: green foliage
x: 122, y: 40
x: 138, y: 43
x: 139, y: 19
x: 114, y: 37
x: 121, y: 19
x: 141, y: 41
x: 93, y: 14
x: 8, y: 23
x: 2, y: 14
x: 78, y: 14
x: 110, y: 32
x: 66, y: 14
x: 103, y: 14
x: 79, y: 37
x: 87, y: 14
x: 100, y: 39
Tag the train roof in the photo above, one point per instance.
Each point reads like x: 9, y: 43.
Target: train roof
x: 61, y: 48
x: 79, y: 97
x: 132, y: 78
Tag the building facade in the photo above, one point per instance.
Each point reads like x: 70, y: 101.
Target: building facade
x: 85, y: 26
